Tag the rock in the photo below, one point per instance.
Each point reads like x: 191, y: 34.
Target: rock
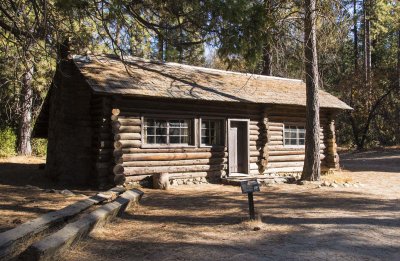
x: 346, y: 185
x: 174, y: 182
x: 325, y: 184
x: 161, y: 181
x: 32, y: 187
x: 52, y: 191
x: 333, y: 185
x: 256, y: 228
x: 67, y: 193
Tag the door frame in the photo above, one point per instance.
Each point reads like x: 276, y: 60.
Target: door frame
x: 247, y: 122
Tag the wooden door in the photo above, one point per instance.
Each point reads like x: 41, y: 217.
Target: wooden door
x: 238, y: 147
x: 233, y: 159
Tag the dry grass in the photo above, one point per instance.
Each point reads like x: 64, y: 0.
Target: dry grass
x: 338, y: 176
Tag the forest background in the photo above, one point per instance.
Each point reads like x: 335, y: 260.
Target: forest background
x: 358, y: 52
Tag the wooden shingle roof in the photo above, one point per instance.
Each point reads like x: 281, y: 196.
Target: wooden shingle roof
x: 138, y: 77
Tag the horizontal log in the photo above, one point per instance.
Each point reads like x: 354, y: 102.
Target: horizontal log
x: 275, y: 142
x: 254, y: 137
x: 127, y: 136
x: 276, y: 137
x: 254, y: 132
x: 254, y: 153
x: 210, y: 161
x: 275, y: 128
x: 289, y: 158
x: 126, y: 106
x: 281, y: 147
x: 201, y: 174
x: 170, y: 150
x: 172, y: 156
x: 253, y: 166
x: 171, y: 169
x: 284, y: 170
x: 275, y: 124
x: 126, y: 129
x: 285, y: 164
x: 126, y: 122
x: 127, y: 144
x: 136, y: 178
x: 289, y: 152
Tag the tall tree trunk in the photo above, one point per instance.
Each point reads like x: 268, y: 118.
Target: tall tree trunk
x: 26, y: 102
x: 267, y: 60
x: 367, y: 51
x: 312, y: 166
x: 160, y: 48
x: 267, y: 52
x: 355, y: 33
x: 398, y: 59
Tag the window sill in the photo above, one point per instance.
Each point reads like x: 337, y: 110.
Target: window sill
x: 171, y: 146
x: 294, y: 146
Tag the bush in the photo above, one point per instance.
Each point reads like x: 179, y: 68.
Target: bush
x: 7, y: 142
x: 39, y: 147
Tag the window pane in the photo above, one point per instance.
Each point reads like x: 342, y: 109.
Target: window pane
x: 185, y: 139
x: 174, y: 123
x: 174, y: 139
x: 150, y: 139
x: 301, y: 142
x: 149, y: 122
x: 185, y: 123
x: 293, y: 142
x: 287, y: 142
x: 174, y: 131
x: 161, y: 139
x: 149, y: 131
x: 161, y: 131
x: 301, y: 135
x: 211, y: 132
x: 293, y: 135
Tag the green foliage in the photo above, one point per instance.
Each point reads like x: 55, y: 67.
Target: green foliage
x: 39, y: 147
x: 7, y: 142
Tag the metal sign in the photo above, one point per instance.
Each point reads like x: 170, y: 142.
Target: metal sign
x: 250, y: 186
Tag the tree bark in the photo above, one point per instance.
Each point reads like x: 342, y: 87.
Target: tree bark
x: 24, y: 133
x: 312, y: 166
x: 355, y: 33
x: 267, y: 54
x: 367, y: 51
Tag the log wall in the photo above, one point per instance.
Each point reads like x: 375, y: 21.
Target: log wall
x: 69, y: 151
x: 133, y: 160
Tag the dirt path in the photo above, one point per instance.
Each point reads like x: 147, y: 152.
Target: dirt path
x: 23, y: 193
x: 207, y: 222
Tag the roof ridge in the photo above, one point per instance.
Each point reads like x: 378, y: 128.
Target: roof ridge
x: 192, y: 67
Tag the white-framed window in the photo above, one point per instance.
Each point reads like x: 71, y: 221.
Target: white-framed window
x: 159, y: 131
x: 294, y: 135
x: 211, y: 132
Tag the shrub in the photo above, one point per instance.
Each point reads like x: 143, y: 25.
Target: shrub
x: 39, y: 147
x: 7, y: 142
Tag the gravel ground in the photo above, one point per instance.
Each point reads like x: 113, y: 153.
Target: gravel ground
x: 209, y: 222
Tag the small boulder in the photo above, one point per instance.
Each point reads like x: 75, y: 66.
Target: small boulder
x: 67, y: 193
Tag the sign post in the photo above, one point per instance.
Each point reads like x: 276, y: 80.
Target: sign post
x: 250, y: 186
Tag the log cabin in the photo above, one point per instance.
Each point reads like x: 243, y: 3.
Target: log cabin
x: 110, y: 121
